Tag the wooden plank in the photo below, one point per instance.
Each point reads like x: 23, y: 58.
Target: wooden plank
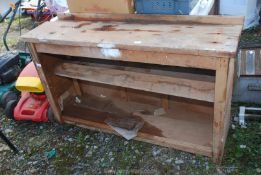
x: 123, y: 93
x: 229, y: 93
x: 243, y: 62
x: 177, y: 131
x: 54, y: 82
x: 219, y: 108
x: 258, y: 61
x: 165, y: 102
x: 94, y: 6
x: 111, y: 37
x: 77, y: 87
x: 133, y: 56
x: 41, y: 73
x: 154, y: 18
x: 200, y: 90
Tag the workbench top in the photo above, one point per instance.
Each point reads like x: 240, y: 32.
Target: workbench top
x: 206, y: 36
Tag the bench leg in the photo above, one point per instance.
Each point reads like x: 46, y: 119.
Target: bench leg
x: 219, y: 109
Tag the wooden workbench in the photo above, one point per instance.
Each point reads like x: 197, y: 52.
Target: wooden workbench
x: 96, y: 66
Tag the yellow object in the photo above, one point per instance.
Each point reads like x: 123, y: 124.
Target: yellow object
x: 29, y: 84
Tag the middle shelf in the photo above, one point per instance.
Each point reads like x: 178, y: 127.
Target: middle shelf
x: 162, y: 81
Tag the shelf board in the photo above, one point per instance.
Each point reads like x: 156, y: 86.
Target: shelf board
x: 182, y: 128
x: 163, y: 84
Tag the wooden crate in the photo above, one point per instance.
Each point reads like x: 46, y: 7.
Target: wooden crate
x: 117, y: 65
x: 101, y: 6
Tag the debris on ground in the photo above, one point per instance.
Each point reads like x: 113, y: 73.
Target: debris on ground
x: 50, y: 154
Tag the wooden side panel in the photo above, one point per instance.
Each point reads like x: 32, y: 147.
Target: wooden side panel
x: 229, y: 93
x: 54, y: 86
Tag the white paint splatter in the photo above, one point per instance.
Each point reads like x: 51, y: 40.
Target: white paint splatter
x: 108, y: 50
x: 42, y: 40
x: 137, y: 42
x: 111, y: 53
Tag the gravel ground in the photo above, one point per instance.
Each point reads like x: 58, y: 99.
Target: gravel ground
x: 50, y: 148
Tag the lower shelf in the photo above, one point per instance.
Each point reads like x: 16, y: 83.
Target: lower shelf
x: 183, y: 127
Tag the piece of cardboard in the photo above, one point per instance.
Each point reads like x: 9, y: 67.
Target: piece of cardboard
x: 101, y: 6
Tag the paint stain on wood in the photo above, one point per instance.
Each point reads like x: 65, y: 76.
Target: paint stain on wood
x: 176, y: 30
x: 82, y: 24
x: 108, y: 28
x: 77, y: 26
x: 215, y: 33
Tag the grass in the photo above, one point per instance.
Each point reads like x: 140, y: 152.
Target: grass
x: 252, y: 34
x: 13, y: 35
x: 11, y: 41
x: 243, y: 149
x: 243, y: 146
